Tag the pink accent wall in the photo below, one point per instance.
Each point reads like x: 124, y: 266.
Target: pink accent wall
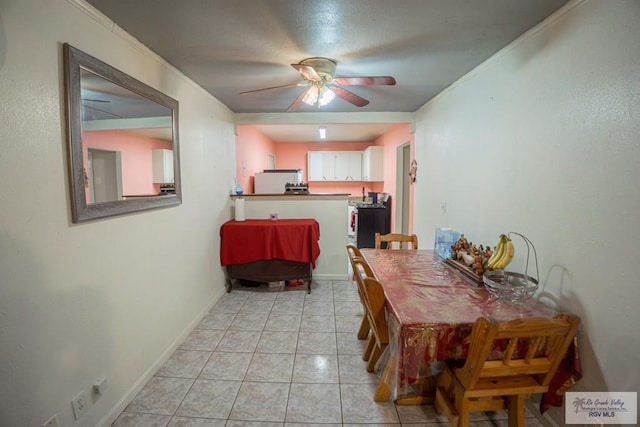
x: 293, y: 155
x: 399, y: 135
x: 135, y: 155
x: 252, y: 151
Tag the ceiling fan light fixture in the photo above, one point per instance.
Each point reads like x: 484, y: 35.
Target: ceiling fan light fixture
x: 319, y: 95
x: 311, y: 96
x: 326, y: 96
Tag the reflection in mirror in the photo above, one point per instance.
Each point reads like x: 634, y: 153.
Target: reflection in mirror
x: 123, y: 141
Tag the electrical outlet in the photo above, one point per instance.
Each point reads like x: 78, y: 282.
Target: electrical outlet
x: 100, y: 386
x: 52, y: 422
x: 79, y: 404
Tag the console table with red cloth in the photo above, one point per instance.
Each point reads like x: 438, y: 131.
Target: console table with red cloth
x: 269, y: 251
x: 431, y: 309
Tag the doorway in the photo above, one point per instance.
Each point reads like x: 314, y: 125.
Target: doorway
x: 403, y: 190
x: 105, y: 175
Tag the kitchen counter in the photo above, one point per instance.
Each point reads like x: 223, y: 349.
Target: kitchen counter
x: 310, y: 196
x: 329, y: 209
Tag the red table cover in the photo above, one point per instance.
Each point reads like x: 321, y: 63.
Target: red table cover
x: 432, y: 308
x: 257, y: 239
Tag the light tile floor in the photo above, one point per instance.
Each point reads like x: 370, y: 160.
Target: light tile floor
x: 276, y: 357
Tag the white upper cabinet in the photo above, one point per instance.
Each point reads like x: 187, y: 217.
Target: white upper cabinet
x: 348, y: 166
x: 373, y: 163
x: 162, y: 165
x: 335, y: 165
x: 314, y: 167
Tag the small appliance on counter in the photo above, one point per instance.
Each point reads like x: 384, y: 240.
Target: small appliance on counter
x: 293, y: 188
x: 167, y: 189
x: 273, y: 181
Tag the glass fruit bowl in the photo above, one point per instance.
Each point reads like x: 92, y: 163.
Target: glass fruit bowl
x: 510, y: 286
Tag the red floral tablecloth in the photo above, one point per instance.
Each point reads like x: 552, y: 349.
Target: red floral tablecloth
x: 257, y: 239
x: 431, y: 309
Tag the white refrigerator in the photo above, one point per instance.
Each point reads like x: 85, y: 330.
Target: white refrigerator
x: 273, y: 181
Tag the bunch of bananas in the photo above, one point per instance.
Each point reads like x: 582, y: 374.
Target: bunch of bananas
x: 502, y: 255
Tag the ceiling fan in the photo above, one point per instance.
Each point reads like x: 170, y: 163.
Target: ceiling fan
x: 318, y: 73
x: 96, y: 113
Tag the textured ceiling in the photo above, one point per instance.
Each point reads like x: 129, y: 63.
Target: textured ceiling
x: 233, y: 46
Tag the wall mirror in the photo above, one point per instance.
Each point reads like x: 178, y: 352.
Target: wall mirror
x: 123, y: 141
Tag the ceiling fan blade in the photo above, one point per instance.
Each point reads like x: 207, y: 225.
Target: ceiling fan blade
x: 365, y: 81
x: 274, y: 87
x: 95, y: 100
x: 298, y: 101
x: 308, y: 72
x: 102, y: 111
x: 348, y: 96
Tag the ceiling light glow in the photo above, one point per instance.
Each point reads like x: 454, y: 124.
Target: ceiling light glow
x: 326, y: 96
x: 319, y: 95
x: 322, y: 131
x: 311, y: 97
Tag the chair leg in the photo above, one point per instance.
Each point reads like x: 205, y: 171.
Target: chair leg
x: 463, y: 407
x: 515, y: 406
x: 375, y: 355
x: 369, y: 348
x: 383, y: 392
x: 363, y: 332
x: 444, y: 407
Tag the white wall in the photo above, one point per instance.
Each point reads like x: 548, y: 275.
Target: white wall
x: 544, y: 139
x: 109, y: 298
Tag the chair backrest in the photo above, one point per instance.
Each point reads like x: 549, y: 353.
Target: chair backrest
x: 529, y: 346
x: 375, y: 300
x: 400, y: 239
x: 361, y: 270
x: 353, y: 251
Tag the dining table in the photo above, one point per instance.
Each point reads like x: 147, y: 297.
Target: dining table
x: 431, y: 309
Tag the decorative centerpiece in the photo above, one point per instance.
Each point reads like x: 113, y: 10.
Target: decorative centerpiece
x: 478, y: 260
x: 509, y: 285
x: 471, y: 259
x: 486, y: 266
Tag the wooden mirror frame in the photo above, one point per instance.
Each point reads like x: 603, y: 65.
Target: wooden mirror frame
x: 75, y: 61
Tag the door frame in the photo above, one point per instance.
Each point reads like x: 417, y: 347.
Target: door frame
x: 115, y: 168
x: 403, y: 189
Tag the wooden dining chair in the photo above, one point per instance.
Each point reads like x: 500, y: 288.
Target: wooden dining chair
x: 530, y: 351
x: 375, y: 302
x: 354, y: 253
x: 400, y: 239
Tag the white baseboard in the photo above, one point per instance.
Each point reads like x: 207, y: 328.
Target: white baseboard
x: 331, y: 277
